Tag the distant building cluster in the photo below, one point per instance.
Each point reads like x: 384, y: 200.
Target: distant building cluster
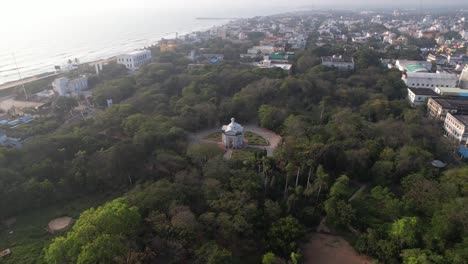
x: 276, y: 41
x: 430, y: 52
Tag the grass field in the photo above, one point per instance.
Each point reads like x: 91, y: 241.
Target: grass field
x: 30, y: 234
x: 255, y: 139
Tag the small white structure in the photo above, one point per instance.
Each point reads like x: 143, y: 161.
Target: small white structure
x: 268, y: 64
x: 233, y: 135
x: 242, y: 36
x: 135, y: 59
x: 69, y: 87
x: 338, y: 62
x: 45, y: 94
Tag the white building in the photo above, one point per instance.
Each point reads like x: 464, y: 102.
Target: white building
x: 265, y: 49
x: 242, y: 36
x: 429, y: 79
x: 452, y: 91
x: 135, y: 59
x: 70, y: 87
x: 420, y: 96
x: 338, y: 62
x: 464, y: 34
x: 268, y: 64
x: 233, y: 135
x: 456, y: 127
x: 464, y: 78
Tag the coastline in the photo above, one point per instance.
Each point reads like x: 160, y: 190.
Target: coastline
x: 26, y: 80
x: 49, y: 72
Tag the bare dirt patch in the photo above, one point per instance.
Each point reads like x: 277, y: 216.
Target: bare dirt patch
x: 8, y: 103
x: 60, y: 224
x: 330, y: 249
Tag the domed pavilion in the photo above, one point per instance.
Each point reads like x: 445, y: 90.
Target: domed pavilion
x: 233, y: 135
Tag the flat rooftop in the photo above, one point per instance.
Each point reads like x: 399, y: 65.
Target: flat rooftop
x: 432, y: 75
x: 452, y: 103
x: 136, y: 52
x: 462, y: 118
x: 415, y: 68
x: 423, y: 91
x: 452, y: 90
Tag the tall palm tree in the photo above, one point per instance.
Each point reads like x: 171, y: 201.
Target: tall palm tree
x: 309, y: 175
x: 266, y: 170
x: 321, y: 181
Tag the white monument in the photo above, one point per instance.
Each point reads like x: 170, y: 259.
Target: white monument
x: 233, y: 135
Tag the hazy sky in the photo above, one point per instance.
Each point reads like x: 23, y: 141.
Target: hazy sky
x: 32, y: 11
x: 33, y: 6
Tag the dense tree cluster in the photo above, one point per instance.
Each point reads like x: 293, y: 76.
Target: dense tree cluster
x: 185, y: 204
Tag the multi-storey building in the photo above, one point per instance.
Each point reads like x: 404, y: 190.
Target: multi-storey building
x: 420, y: 96
x: 456, y: 127
x: 338, y: 62
x: 70, y: 87
x: 134, y: 60
x: 440, y: 107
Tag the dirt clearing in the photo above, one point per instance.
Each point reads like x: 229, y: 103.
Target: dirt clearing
x: 60, y: 224
x: 330, y: 249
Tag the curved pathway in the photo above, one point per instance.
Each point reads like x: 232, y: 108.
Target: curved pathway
x: 270, y: 136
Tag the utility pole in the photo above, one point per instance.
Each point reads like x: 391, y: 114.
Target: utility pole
x: 20, y: 78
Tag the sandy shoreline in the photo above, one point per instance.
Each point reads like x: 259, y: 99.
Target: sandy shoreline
x: 40, y: 76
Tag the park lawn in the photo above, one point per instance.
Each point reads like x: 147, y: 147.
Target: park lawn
x: 255, y: 139
x: 30, y: 234
x: 216, y: 136
x: 244, y: 154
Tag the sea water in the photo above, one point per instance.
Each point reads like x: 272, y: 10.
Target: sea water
x: 38, y: 46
